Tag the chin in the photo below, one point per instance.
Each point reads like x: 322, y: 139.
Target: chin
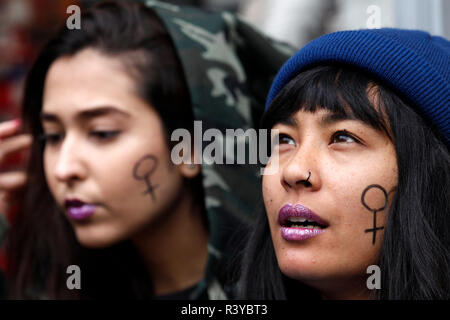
x: 95, y: 240
x: 301, y: 267
x: 302, y: 273
x: 94, y: 243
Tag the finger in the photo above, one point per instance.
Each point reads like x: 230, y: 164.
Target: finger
x: 14, y: 144
x: 9, y: 128
x: 13, y: 180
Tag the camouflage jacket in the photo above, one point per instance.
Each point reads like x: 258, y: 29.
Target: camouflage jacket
x: 229, y: 67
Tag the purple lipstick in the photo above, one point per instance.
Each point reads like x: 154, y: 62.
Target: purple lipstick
x: 79, y: 210
x: 299, y: 223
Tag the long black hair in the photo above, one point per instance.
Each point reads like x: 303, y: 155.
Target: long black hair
x: 415, y: 254
x: 41, y: 244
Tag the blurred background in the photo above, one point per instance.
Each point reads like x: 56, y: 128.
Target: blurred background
x: 26, y: 24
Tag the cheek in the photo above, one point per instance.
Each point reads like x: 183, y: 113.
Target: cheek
x: 365, y: 187
x: 143, y: 185
x: 274, y: 198
x: 362, y: 201
x: 271, y: 190
x: 124, y: 181
x: 352, y: 217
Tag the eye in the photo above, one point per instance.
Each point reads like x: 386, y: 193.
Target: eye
x: 51, y: 138
x: 104, y: 135
x: 284, y: 139
x: 343, y: 137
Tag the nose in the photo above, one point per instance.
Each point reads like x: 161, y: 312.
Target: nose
x: 301, y: 170
x: 69, y: 166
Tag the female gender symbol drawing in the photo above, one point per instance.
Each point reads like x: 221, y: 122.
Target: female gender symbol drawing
x: 143, y: 169
x: 374, y: 211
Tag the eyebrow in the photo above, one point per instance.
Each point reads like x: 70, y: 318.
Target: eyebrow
x: 332, y: 118
x: 86, y: 114
x: 326, y: 120
x: 289, y: 121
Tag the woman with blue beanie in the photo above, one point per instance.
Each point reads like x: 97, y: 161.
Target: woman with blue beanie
x: 358, y: 206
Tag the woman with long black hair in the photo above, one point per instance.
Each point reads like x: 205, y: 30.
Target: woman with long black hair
x: 103, y: 195
x: 359, y: 205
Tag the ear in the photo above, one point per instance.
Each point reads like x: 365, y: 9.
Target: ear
x: 189, y: 170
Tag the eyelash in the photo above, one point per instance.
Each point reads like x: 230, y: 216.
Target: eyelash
x: 55, y: 138
x: 50, y: 138
x: 281, y: 136
x: 344, y: 133
x: 104, y: 135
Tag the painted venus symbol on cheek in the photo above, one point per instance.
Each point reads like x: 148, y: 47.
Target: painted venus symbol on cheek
x: 143, y: 169
x: 374, y: 211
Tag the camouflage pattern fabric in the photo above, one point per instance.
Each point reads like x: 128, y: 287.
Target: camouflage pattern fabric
x: 229, y: 67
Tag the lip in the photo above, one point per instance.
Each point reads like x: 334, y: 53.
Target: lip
x: 79, y: 210
x: 296, y: 233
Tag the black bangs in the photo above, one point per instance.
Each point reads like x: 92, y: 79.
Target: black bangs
x: 343, y: 90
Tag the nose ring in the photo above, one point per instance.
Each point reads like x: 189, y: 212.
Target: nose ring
x: 309, y: 175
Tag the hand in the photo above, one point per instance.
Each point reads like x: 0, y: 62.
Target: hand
x: 11, y: 142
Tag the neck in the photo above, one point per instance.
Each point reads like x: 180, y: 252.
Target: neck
x: 358, y: 294
x: 353, y: 289
x: 174, y: 249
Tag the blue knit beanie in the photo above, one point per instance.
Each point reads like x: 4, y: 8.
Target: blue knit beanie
x: 414, y: 62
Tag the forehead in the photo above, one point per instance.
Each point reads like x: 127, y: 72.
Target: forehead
x: 323, y: 117
x: 88, y: 78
